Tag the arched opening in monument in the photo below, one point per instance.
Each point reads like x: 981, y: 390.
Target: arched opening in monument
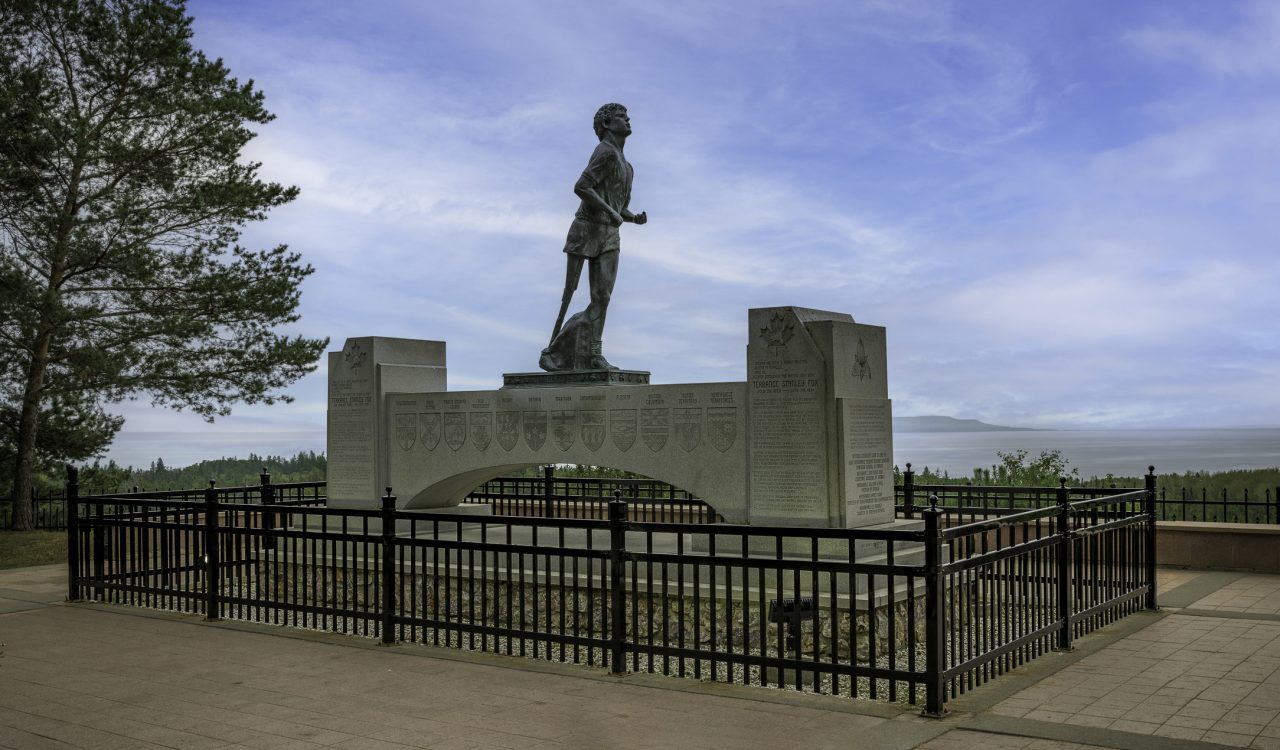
x: 577, y: 490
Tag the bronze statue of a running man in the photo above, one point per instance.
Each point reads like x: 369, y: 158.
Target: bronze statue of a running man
x: 605, y: 190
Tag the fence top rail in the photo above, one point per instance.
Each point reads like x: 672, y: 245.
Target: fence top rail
x: 461, y: 518
x: 1007, y: 491
x: 199, y: 492
x: 149, y: 495
x: 1127, y: 497
x: 991, y: 524
x: 726, y: 530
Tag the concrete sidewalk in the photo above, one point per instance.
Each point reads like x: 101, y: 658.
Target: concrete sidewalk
x: 94, y: 676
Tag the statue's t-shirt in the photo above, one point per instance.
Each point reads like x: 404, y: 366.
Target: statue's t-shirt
x: 609, y: 174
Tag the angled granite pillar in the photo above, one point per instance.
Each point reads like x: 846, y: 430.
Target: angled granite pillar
x: 360, y: 377
x: 820, y: 420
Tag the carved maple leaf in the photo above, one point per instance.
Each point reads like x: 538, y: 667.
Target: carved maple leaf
x: 778, y: 332
x: 355, y: 356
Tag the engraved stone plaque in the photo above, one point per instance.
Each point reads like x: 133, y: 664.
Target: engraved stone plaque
x: 655, y: 426
x: 688, y: 427
x: 455, y: 429
x: 430, y: 426
x: 535, y: 429
x: 406, y: 430
x: 563, y: 423
x: 593, y: 428
x: 622, y: 428
x: 722, y: 427
x: 867, y: 433
x: 352, y: 421
x: 788, y: 395
x: 481, y: 428
x: 508, y: 429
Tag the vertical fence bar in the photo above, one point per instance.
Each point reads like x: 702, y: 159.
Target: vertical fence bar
x: 212, y: 608
x: 548, y: 490
x: 1151, y: 537
x: 617, y: 599
x: 73, y: 534
x: 908, y: 493
x: 935, y: 645
x: 99, y: 550
x: 1064, y: 567
x: 267, y: 497
x: 388, y: 568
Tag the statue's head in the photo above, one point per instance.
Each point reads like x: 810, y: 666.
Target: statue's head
x: 603, y: 115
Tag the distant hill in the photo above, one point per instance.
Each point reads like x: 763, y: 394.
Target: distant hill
x: 947, y: 424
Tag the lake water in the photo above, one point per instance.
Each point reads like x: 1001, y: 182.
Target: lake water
x: 1094, y: 452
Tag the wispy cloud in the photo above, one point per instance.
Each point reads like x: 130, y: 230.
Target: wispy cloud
x: 1063, y: 214
x: 1233, y: 39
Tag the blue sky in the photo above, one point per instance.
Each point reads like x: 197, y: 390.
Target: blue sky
x: 1064, y: 213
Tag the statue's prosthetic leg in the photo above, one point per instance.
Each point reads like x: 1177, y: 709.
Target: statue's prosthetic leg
x: 573, y: 271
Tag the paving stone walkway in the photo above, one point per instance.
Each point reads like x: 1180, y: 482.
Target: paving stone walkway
x: 90, y: 676
x: 1192, y: 677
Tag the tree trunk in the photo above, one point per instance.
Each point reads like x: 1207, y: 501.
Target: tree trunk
x: 23, y: 511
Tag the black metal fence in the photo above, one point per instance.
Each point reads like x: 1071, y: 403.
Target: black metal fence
x: 550, y: 496
x: 970, y: 501
x: 917, y: 613
x: 50, y: 510
x: 1185, y: 504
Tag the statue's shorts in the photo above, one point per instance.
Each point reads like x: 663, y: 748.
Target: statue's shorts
x: 590, y: 239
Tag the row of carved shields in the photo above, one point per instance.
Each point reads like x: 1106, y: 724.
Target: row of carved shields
x: 654, y: 426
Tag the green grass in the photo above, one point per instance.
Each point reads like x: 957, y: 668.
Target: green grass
x: 21, y: 549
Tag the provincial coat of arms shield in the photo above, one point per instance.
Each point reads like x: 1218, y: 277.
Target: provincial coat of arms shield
x: 655, y: 426
x: 688, y: 425
x: 535, y: 429
x: 563, y: 422
x: 481, y: 428
x: 455, y: 429
x: 508, y: 429
x: 430, y: 427
x: 722, y: 426
x: 406, y: 430
x: 622, y: 428
x: 592, y: 428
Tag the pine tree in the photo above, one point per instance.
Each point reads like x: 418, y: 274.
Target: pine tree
x: 122, y: 197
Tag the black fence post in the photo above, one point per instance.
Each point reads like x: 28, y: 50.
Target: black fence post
x: 212, y: 607
x: 1151, y: 537
x: 617, y: 600
x: 73, y: 533
x: 267, y: 497
x: 908, y: 493
x: 1064, y: 567
x: 548, y: 491
x: 934, y: 611
x: 388, y: 568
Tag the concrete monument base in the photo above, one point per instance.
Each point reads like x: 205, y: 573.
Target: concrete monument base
x: 805, y: 441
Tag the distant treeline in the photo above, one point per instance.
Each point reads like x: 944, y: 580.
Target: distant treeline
x: 307, y: 466
x: 1013, y: 469
x: 1018, y: 469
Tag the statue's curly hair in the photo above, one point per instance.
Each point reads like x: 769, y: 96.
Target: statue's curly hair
x: 603, y: 114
